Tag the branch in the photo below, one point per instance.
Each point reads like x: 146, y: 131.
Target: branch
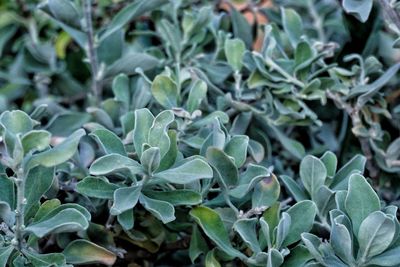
x: 354, y: 114
x: 18, y: 240
x: 252, y: 212
x: 390, y: 13
x: 317, y: 21
x: 92, y: 52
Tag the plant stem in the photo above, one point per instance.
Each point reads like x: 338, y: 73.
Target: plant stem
x: 318, y: 23
x: 289, y: 78
x: 238, y: 80
x: 19, y: 212
x: 145, y: 179
x: 92, y: 52
x: 178, y: 72
x: 390, y: 13
x: 252, y: 212
x: 354, y: 114
x: 230, y: 204
x: 111, y: 218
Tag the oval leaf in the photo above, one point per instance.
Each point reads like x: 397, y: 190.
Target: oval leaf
x: 375, y: 235
x: 302, y: 215
x: 85, y: 252
x: 165, y: 91
x: 59, y: 153
x: 124, y: 199
x: 68, y: 220
x: 213, y: 226
x: 361, y: 200
x: 186, y: 173
x: 114, y: 163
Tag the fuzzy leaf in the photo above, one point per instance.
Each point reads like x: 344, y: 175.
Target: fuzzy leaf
x: 302, y: 215
x: 96, y: 187
x: 65, y: 11
x: 292, y: 24
x: 130, y: 12
x: 16, y: 121
x: 359, y: 8
x: 361, y: 200
x: 237, y: 149
x: 59, y: 153
x: 36, y: 140
x: 295, y: 190
x: 150, y: 159
x: 127, y: 219
x: 5, y: 253
x: 85, y: 252
x: 388, y: 258
x: 45, y: 260
x: 283, y: 228
x: 121, y: 90
x: 143, y: 122
x: 197, y: 93
x: 7, y: 191
x: 313, y: 174
x: 266, y: 192
x: 67, y: 220
x: 225, y: 167
x: 241, y: 28
x: 130, y: 62
x: 298, y: 256
x: 213, y: 227
x: 125, y: 198
x: 38, y: 181
x: 341, y: 178
x: 108, y: 141
x: 234, y: 51
x: 112, y: 163
x: 198, y: 245
x: 165, y: 91
x: 342, y: 242
x: 249, y: 179
x: 246, y: 228
x: 158, y: 133
x: 376, y: 234
x: 162, y: 210
x: 187, y: 172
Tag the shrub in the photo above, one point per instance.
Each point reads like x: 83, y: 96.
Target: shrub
x: 180, y: 133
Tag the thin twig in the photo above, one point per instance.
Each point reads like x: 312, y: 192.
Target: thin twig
x: 286, y: 202
x: 19, y: 212
x: 252, y: 212
x: 230, y: 204
x: 110, y: 219
x: 289, y: 78
x: 318, y: 22
x: 238, y: 80
x: 92, y: 52
x: 354, y: 114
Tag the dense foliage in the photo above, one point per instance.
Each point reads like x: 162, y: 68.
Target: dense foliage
x: 190, y: 132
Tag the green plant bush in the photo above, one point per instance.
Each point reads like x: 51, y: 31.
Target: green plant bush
x: 192, y: 133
